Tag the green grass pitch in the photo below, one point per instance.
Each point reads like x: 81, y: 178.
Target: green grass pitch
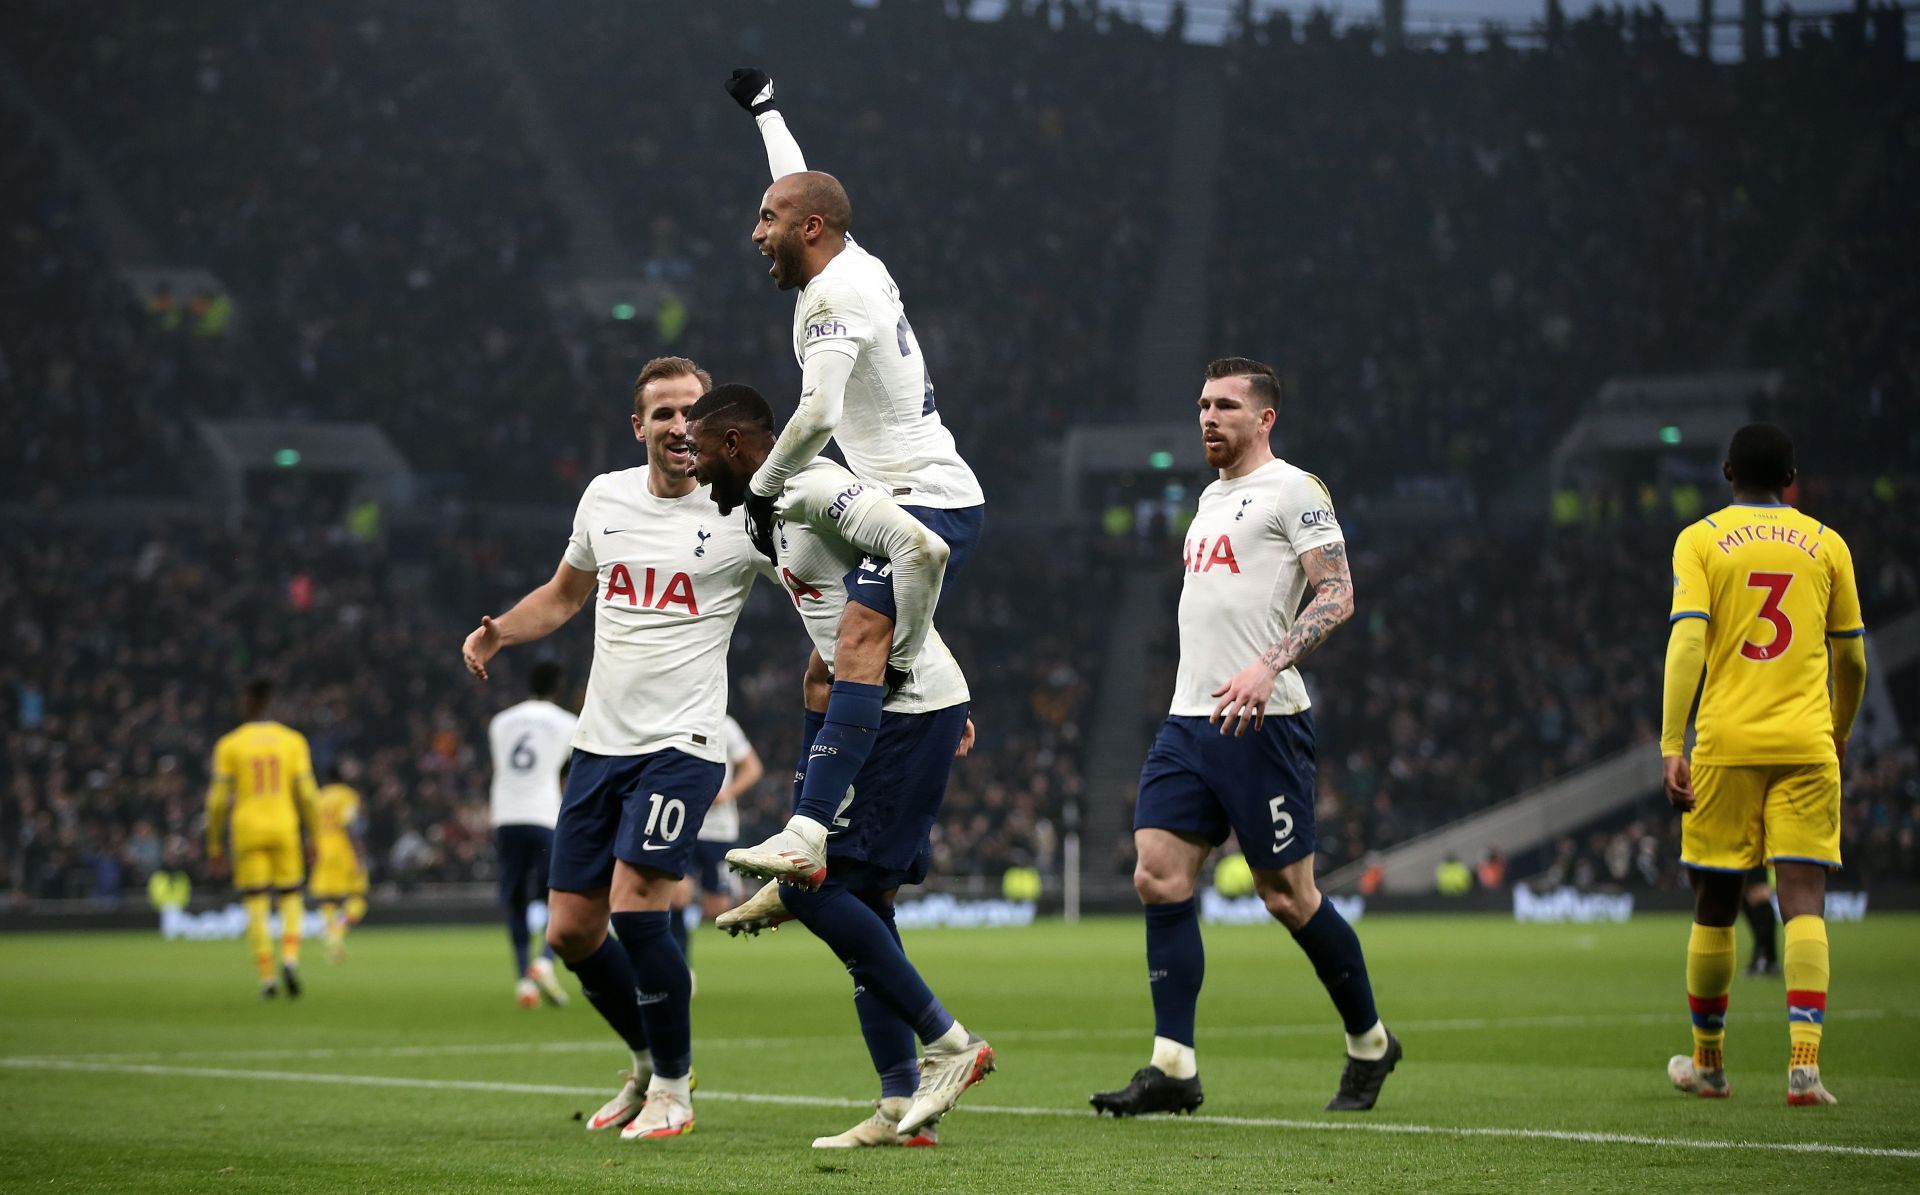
x: 1535, y: 1061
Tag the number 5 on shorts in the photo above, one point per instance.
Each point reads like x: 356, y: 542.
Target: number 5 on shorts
x: 1282, y: 822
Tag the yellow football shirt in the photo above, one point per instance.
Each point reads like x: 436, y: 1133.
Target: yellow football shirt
x: 1773, y: 585
x: 337, y: 808
x: 262, y: 785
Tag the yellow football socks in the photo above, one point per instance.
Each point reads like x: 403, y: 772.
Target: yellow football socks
x: 1710, y: 966
x: 1807, y: 975
x: 293, y: 911
x: 260, y: 933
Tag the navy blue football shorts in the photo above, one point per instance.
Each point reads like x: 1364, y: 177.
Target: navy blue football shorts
x: 1258, y: 786
x: 526, y: 853
x: 709, y: 861
x: 879, y: 837
x: 643, y: 809
x: 871, y: 582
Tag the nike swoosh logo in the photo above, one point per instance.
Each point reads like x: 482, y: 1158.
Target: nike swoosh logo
x: 868, y: 581
x: 656, y: 846
x: 614, y: 530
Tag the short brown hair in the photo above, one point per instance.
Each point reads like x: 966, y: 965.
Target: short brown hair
x: 1261, y: 379
x: 661, y: 368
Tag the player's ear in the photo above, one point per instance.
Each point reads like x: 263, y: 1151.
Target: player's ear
x: 1726, y: 470
x: 639, y: 428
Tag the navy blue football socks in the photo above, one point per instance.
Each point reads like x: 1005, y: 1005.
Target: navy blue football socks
x: 665, y: 989
x: 809, y: 731
x: 677, y: 926
x: 840, y: 749
x: 889, y: 1038
x: 1176, y: 964
x: 1334, y: 950
x: 859, y: 938
x: 521, y: 935
x: 606, y: 980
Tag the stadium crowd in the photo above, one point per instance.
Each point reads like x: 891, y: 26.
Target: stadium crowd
x: 1451, y: 271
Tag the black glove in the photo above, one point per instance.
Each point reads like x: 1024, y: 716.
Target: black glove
x: 896, y: 677
x: 752, y: 89
x: 760, y: 525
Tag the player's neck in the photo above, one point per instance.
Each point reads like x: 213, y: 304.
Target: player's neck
x: 1758, y: 497
x: 1256, y: 456
x: 820, y: 256
x: 662, y: 486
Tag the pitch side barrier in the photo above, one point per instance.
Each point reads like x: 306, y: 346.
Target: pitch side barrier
x: 223, y: 918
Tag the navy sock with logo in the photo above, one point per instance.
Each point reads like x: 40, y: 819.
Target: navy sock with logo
x: 1334, y: 949
x: 1176, y: 965
x: 606, y: 980
x: 858, y: 937
x: 809, y: 731
x: 666, y: 989
x: 841, y: 748
x: 889, y: 1037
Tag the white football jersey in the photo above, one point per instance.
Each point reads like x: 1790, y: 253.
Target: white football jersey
x: 1244, y: 581
x: 722, y: 823
x: 529, y: 742
x: 673, y: 574
x: 889, y: 431
x: 815, y: 559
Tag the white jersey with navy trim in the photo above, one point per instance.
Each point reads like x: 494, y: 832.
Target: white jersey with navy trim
x: 815, y: 559
x: 1244, y: 582
x: 528, y: 743
x: 890, y: 431
x: 722, y: 823
x: 672, y: 576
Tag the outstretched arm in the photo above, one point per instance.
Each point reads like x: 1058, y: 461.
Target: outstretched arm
x: 535, y: 616
x: 1244, y: 698
x: 823, y: 393
x: 752, y: 89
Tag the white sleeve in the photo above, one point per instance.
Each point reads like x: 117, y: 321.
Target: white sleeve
x: 1304, y: 514
x: 875, y: 524
x: 737, y: 746
x: 823, y: 392
x: 783, y: 152
x: 579, y: 552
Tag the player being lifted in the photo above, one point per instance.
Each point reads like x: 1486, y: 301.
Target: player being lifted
x: 528, y: 743
x: 339, y: 882
x: 671, y: 575
x: 263, y: 790
x: 1763, y: 598
x: 1236, y: 754
x: 863, y: 573
x: 865, y: 384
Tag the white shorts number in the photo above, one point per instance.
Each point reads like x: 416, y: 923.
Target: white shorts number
x: 669, y: 815
x: 1282, y: 822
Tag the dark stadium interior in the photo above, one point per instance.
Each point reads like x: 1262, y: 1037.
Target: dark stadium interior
x: 1446, y: 251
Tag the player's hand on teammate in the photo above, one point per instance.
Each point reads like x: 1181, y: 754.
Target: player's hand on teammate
x: 760, y: 525
x: 1679, y: 782
x: 482, y: 645
x: 751, y: 88
x: 966, y: 742
x: 1243, y: 700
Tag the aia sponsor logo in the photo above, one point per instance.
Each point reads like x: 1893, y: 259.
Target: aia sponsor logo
x: 677, y: 590
x: 1204, y: 555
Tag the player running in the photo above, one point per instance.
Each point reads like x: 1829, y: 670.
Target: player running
x: 1764, y: 602
x: 671, y: 575
x: 1236, y: 754
x: 851, y: 557
x: 263, y: 790
x: 339, y: 882
x: 864, y: 383
x: 529, y: 743
x: 717, y: 834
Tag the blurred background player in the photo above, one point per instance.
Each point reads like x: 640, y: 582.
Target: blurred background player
x: 865, y: 384
x: 672, y: 575
x: 1763, y: 923
x: 718, y: 832
x: 339, y: 881
x: 858, y: 613
x: 263, y: 791
x: 529, y: 742
x: 1235, y: 755
x: 1764, y: 602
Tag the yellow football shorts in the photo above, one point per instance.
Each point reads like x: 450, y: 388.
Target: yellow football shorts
x: 1748, y: 814
x: 337, y: 875
x: 258, y: 866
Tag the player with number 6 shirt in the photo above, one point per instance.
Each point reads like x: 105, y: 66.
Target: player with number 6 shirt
x: 668, y: 576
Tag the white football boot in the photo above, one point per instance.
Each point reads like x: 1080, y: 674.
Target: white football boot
x: 882, y: 1128
x: 796, y: 855
x: 541, y: 973
x: 1805, y: 1090
x: 1708, y: 1085
x: 525, y: 994
x: 943, y: 1076
x: 667, y: 1114
x: 623, y: 1107
x: 763, y: 910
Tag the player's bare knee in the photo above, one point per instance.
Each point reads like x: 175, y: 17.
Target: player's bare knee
x: 1160, y: 886
x: 573, y: 941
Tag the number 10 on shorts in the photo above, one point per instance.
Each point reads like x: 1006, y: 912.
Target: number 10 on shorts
x: 1282, y: 821
x: 669, y: 815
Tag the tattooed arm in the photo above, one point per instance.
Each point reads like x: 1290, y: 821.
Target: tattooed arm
x: 1244, y: 698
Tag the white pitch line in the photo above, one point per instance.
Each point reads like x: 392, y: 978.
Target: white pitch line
x: 1349, y: 1126
x: 597, y: 1045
